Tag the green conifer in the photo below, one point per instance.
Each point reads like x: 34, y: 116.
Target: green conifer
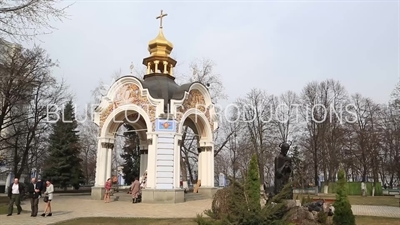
x: 63, y: 165
x: 343, y: 215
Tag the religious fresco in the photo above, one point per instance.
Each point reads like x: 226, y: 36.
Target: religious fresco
x: 195, y: 100
x: 129, y: 94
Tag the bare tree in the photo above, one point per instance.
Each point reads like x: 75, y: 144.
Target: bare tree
x: 102, y: 88
x: 88, y: 132
x: 323, y: 105
x: 27, y: 117
x: 228, y: 154
x: 285, y: 111
x: 390, y: 157
x: 366, y: 136
x: 25, y: 19
x: 256, y: 114
x: 203, y: 72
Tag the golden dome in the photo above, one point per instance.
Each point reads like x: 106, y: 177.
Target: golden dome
x: 160, y: 46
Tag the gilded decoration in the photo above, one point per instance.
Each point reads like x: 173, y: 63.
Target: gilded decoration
x: 129, y: 94
x: 195, y: 100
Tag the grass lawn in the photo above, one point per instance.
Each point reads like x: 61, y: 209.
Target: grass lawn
x: 360, y: 220
x: 4, y: 209
x: 126, y: 221
x: 376, y: 200
x: 359, y: 200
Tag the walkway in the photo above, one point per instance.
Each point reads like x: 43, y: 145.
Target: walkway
x: 69, y: 207
x: 372, y: 210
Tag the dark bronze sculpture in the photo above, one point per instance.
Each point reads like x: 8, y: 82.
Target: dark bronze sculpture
x: 283, y: 169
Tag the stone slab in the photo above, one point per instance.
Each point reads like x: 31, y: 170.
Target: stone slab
x: 98, y: 193
x: 208, y: 192
x: 163, y: 196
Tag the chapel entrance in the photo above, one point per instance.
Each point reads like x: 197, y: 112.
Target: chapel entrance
x: 196, y: 165
x: 132, y: 123
x: 130, y: 152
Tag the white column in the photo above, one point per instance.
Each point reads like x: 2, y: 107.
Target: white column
x: 212, y: 167
x: 156, y: 69
x: 208, y: 172
x: 206, y: 166
x: 109, y: 159
x: 200, y: 166
x: 143, y: 161
x: 151, y: 162
x: 165, y: 67
x: 100, y: 165
x: 177, y: 161
x: 148, y: 68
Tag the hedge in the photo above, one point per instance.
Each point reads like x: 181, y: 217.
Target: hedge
x: 354, y: 188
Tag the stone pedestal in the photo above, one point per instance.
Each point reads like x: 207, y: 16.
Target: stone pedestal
x: 163, y: 196
x: 98, y: 193
x: 209, y: 192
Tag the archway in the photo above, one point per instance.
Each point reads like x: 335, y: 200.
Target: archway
x: 196, y: 121
x: 126, y: 114
x: 129, y: 155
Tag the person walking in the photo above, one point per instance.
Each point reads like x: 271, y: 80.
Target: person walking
x: 135, y: 190
x: 49, y: 195
x: 15, y: 192
x: 34, y: 195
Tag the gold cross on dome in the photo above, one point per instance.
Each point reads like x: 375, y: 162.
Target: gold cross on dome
x: 161, y: 17
x: 131, y: 67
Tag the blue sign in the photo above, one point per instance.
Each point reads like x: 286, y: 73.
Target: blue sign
x: 166, y: 125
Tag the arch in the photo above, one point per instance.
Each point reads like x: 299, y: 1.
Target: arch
x: 121, y: 82
x: 135, y: 120
x: 203, y: 90
x: 203, y: 127
x: 196, y: 96
x: 110, y: 124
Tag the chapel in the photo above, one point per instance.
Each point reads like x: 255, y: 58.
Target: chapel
x: 157, y: 108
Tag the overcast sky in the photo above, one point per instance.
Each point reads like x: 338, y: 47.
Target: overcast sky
x: 276, y: 46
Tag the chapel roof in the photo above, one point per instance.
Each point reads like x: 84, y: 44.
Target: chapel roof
x: 159, y: 79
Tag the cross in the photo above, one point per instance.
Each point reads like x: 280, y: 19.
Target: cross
x: 161, y: 17
x: 131, y: 68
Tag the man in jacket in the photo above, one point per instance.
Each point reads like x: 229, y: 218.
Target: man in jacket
x: 15, y: 192
x: 40, y: 185
x: 34, y: 195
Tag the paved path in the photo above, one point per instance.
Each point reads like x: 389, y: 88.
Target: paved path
x: 65, y: 208
x: 372, y: 210
x: 69, y: 207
